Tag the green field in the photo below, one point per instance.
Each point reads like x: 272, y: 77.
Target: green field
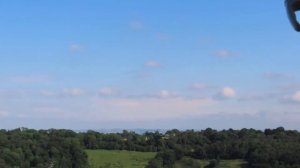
x: 130, y: 159
x: 118, y: 159
x: 190, y: 163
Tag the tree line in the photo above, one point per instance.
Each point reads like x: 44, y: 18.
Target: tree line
x: 26, y: 148
x: 275, y: 148
x: 271, y: 148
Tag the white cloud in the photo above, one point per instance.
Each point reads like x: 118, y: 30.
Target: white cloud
x: 152, y: 64
x: 291, y: 98
x: 141, y: 109
x: 76, y: 47
x: 225, y: 53
x: 199, y: 86
x: 136, y: 25
x: 296, y: 96
x: 228, y: 92
x: 108, y: 91
x: 72, y: 92
x: 66, y: 92
x: 4, y: 114
x: 147, y: 70
x: 166, y: 94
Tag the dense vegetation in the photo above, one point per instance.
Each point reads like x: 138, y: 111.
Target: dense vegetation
x: 26, y: 148
x: 187, y: 162
x: 271, y: 148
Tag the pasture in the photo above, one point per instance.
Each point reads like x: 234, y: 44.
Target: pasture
x: 118, y: 159
x: 131, y: 159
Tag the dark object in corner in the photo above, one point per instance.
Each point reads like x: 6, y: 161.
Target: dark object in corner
x: 292, y: 6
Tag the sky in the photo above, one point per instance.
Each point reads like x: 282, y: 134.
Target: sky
x: 148, y: 64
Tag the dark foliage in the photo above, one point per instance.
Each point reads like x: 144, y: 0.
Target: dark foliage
x: 26, y: 148
x: 274, y: 148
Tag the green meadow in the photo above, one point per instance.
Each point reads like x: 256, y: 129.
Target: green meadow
x: 131, y: 159
x: 118, y: 159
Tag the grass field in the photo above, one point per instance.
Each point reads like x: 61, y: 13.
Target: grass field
x: 130, y: 159
x: 118, y: 159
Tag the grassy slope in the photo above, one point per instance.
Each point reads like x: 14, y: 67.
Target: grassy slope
x: 118, y: 159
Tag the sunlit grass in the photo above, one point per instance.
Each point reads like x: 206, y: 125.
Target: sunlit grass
x: 118, y: 159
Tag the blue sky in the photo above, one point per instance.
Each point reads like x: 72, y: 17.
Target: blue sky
x: 148, y: 64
